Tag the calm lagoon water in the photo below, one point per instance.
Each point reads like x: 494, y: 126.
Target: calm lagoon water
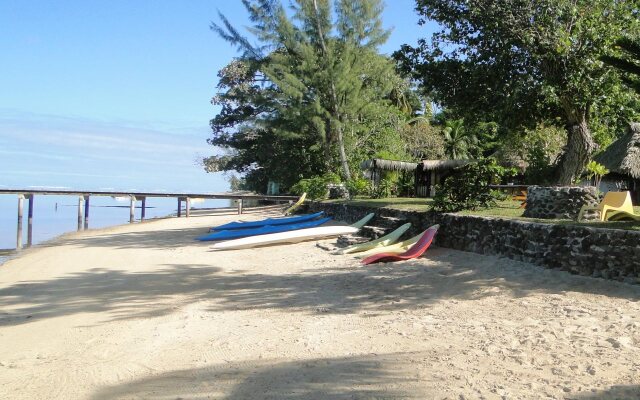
x: 55, y: 215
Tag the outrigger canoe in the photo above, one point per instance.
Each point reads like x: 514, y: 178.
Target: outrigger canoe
x: 268, y: 221
x: 385, y: 240
x: 262, y: 230
x: 414, y: 251
x: 398, y: 248
x: 321, y: 232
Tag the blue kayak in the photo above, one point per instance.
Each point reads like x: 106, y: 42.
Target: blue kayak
x: 268, y: 221
x: 263, y: 230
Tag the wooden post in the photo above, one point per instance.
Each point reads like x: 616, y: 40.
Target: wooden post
x: 239, y: 206
x: 187, y: 205
x: 80, y: 201
x: 143, y: 208
x: 30, y: 221
x: 19, y: 233
x: 86, y: 212
x: 132, y: 209
x: 179, y: 207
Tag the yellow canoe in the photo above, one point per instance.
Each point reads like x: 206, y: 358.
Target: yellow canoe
x: 384, y: 241
x: 399, y: 247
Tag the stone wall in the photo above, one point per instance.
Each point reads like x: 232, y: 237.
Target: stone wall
x: 597, y: 252
x: 559, y: 202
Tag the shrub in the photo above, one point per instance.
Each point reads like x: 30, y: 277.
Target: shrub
x: 468, y: 188
x: 316, y: 187
x: 406, y: 185
x: 358, y: 186
x: 386, y: 188
x: 596, y: 171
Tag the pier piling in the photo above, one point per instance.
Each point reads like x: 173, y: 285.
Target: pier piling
x: 80, y: 203
x: 132, y: 209
x: 187, y: 206
x: 143, y: 208
x: 30, y: 221
x: 86, y: 212
x: 19, y: 231
x: 239, y: 206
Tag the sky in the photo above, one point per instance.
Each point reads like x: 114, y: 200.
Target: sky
x: 116, y: 95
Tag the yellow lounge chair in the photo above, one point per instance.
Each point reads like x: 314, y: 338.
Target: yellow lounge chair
x: 623, y: 216
x: 613, y: 201
x: 295, y: 205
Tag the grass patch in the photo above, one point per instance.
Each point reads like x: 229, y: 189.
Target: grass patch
x: 507, y: 209
x: 399, y: 203
x: 511, y: 210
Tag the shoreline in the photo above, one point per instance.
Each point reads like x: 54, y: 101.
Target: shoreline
x: 135, y: 310
x: 10, y: 254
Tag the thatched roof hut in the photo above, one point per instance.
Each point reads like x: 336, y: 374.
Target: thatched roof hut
x: 623, y: 155
x: 434, y: 165
x: 388, y: 165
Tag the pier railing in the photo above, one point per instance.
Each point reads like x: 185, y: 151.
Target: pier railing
x: 85, y: 195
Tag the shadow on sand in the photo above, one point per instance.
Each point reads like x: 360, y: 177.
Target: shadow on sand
x: 361, y: 377
x: 618, y: 392
x: 371, y: 377
x: 121, y: 294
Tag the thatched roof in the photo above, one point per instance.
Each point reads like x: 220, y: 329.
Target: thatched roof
x: 623, y: 155
x: 428, y: 165
x: 389, y: 165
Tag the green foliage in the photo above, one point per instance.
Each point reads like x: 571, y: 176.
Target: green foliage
x: 358, y: 186
x: 540, y: 168
x: 596, y: 171
x: 406, y: 184
x: 520, y: 63
x: 459, y: 143
x: 627, y: 61
x: 385, y: 188
x: 235, y: 183
x: 468, y: 188
x: 314, y: 92
x: 316, y: 187
x: 539, y: 148
x: 422, y: 140
x: 247, y: 139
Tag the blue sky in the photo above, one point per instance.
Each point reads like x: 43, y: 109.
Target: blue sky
x: 115, y: 95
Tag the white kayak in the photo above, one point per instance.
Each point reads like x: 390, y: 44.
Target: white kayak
x: 300, y: 235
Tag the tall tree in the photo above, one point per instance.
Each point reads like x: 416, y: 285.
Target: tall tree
x: 322, y: 63
x: 520, y: 61
x: 246, y: 137
x: 628, y: 62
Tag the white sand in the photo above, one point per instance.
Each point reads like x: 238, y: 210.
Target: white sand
x: 144, y: 312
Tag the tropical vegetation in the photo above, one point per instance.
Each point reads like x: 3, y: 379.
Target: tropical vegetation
x: 544, y: 84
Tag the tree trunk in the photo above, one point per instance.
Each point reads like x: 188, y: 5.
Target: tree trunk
x: 328, y: 158
x: 577, y: 152
x: 335, y: 106
x: 343, y: 154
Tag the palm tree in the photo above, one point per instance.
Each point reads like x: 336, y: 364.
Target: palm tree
x: 458, y: 142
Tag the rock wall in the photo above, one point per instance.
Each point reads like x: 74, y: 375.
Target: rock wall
x: 597, y: 252
x: 559, y: 202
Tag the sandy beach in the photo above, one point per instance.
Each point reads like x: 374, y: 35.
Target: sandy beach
x: 145, y: 312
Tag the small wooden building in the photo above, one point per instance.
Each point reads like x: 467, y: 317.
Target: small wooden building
x: 427, y: 173
x: 432, y: 172
x: 622, y: 159
x: 374, y: 168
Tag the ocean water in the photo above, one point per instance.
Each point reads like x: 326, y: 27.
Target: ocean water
x: 55, y: 215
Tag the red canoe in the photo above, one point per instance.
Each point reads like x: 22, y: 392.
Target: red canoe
x: 414, y: 251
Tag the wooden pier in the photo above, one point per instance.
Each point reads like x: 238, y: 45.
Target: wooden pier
x: 85, y: 195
